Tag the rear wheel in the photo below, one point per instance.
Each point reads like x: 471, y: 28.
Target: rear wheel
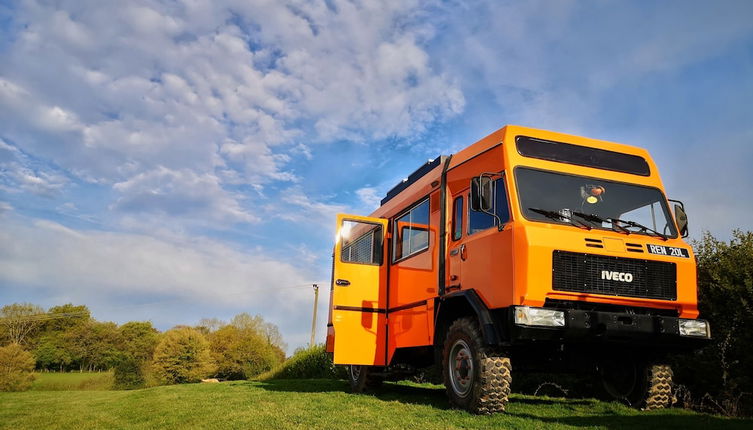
x: 362, y: 378
x: 644, y: 386
x: 477, y: 377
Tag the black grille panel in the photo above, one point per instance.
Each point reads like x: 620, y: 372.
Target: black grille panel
x: 582, y: 273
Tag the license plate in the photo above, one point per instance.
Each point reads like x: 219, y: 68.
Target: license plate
x: 669, y: 251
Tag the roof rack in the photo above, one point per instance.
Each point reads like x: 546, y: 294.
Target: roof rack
x: 413, y: 177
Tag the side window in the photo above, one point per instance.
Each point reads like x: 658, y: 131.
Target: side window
x: 411, y: 231
x: 480, y: 221
x: 457, y: 218
x: 361, y: 243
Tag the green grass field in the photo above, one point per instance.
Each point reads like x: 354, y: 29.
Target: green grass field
x: 323, y: 404
x: 73, y: 381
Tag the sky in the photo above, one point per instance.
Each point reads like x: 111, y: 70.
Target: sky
x: 171, y: 160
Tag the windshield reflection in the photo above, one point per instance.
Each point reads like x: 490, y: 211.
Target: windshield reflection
x: 596, y: 203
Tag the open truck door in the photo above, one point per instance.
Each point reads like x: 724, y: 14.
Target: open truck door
x: 359, y: 293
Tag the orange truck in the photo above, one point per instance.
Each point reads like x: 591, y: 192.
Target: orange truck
x: 528, y: 249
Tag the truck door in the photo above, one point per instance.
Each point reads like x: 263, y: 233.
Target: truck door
x: 359, y: 294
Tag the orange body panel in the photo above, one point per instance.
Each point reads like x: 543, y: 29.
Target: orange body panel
x: 508, y: 267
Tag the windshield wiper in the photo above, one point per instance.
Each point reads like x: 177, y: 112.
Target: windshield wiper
x: 596, y: 218
x: 640, y: 226
x: 559, y: 217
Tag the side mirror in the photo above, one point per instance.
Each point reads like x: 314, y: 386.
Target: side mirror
x: 682, y: 220
x: 482, y: 194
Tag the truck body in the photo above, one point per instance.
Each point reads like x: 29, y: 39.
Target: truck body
x: 527, y: 249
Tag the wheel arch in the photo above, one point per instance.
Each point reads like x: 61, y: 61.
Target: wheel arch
x: 460, y: 304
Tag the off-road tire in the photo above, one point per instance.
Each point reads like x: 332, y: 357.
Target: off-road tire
x: 659, y: 383
x: 361, y: 379
x: 491, y: 372
x: 652, y: 388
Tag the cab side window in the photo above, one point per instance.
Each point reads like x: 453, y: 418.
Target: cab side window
x: 480, y: 221
x: 457, y: 218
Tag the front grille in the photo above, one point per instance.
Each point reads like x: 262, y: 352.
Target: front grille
x: 601, y: 274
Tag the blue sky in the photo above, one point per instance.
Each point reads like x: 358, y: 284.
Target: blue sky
x: 173, y: 160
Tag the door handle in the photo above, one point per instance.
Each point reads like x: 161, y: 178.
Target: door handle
x: 342, y: 282
x: 462, y: 252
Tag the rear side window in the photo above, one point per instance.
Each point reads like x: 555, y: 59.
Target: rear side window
x: 457, y: 218
x: 480, y: 221
x: 411, y: 231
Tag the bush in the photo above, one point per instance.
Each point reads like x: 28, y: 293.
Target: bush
x: 308, y: 363
x: 129, y: 373
x: 721, y: 373
x: 182, y: 356
x: 241, y: 353
x: 16, y: 367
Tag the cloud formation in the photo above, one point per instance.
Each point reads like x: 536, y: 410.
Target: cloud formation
x: 222, y: 90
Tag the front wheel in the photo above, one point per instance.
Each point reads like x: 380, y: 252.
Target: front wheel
x: 477, y: 377
x: 644, y: 386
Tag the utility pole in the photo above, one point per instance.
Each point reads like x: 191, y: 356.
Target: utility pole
x: 313, y: 321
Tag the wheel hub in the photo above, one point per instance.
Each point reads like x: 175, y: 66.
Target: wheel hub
x: 461, y: 368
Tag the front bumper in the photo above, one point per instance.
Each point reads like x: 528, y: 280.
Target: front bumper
x: 581, y: 326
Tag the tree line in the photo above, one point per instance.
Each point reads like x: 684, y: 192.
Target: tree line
x: 67, y: 338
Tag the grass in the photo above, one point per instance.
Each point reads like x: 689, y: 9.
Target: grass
x: 324, y: 404
x: 74, y: 381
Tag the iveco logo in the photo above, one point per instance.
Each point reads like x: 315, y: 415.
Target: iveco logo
x: 616, y: 276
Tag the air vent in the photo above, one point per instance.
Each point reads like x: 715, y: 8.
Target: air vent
x: 594, y: 243
x: 634, y: 247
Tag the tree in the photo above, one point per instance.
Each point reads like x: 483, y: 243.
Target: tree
x: 94, y: 345
x: 53, y: 347
x: 241, y: 353
x: 65, y: 317
x: 725, y: 298
x: 182, y: 356
x: 16, y: 367
x: 129, y: 373
x: 210, y: 325
x: 138, y: 340
x: 53, y: 352
x: 257, y: 324
x: 20, y: 320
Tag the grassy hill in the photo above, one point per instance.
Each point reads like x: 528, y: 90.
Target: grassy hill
x: 324, y: 404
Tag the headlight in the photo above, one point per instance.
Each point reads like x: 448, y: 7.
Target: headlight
x: 539, y: 317
x: 699, y: 328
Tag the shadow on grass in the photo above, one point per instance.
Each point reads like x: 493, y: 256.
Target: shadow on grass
x: 434, y: 397
x: 644, y: 421
x: 550, y: 401
x: 304, y: 385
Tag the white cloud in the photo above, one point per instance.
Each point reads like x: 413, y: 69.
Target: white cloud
x: 370, y: 197
x: 180, y: 193
x: 550, y: 64
x: 88, y: 266
x: 225, y: 89
x: 5, y: 207
x: 298, y: 207
x: 19, y: 174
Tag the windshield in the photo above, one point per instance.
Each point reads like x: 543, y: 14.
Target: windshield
x: 587, y: 202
